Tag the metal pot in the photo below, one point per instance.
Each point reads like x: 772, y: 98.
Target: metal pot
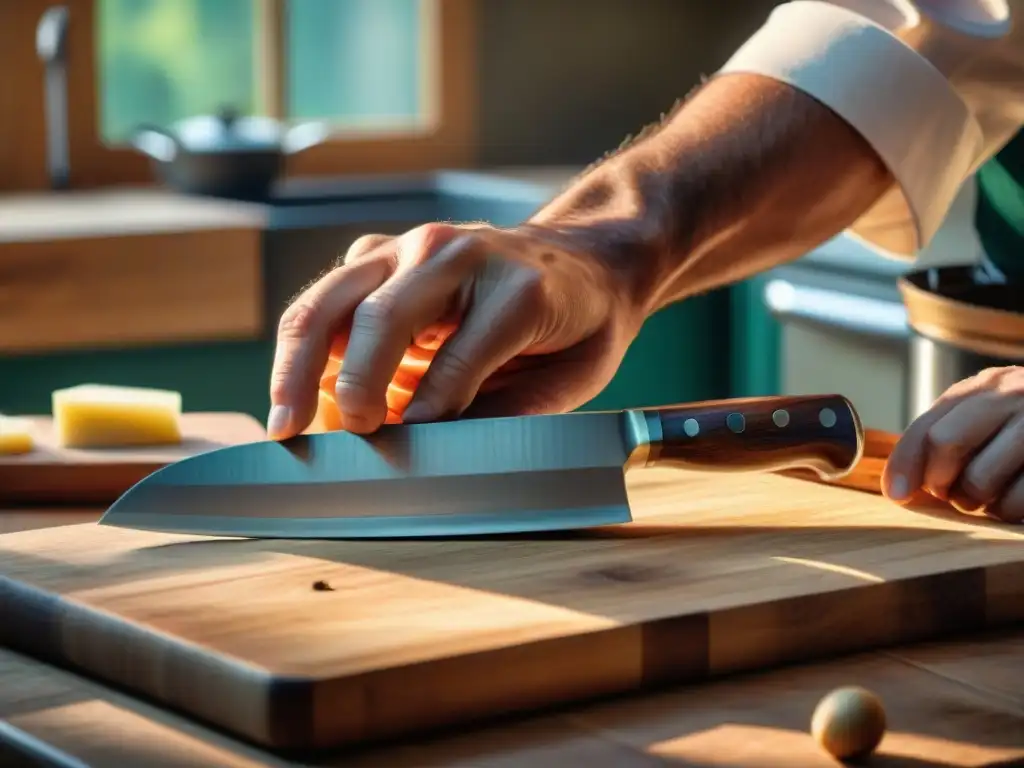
x: 225, y: 155
x: 962, y: 320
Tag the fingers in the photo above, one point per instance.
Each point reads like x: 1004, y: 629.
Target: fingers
x: 991, y: 471
x: 304, y: 337
x: 1010, y: 507
x: 313, y: 329
x: 383, y: 326
x: 489, y: 336
x: 905, y: 468
x: 955, y: 438
x: 967, y: 449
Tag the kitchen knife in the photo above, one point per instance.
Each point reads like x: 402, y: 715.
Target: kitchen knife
x: 481, y: 476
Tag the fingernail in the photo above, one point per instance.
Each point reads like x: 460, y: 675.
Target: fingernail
x: 418, y: 412
x: 899, y: 488
x: 277, y: 421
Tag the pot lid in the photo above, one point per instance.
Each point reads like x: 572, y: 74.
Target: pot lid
x: 228, y: 132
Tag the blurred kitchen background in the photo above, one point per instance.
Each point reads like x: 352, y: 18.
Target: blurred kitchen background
x: 444, y: 109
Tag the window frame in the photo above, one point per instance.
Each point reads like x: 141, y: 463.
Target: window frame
x: 450, y: 141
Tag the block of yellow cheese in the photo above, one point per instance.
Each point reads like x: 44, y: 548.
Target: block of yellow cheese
x: 103, y: 416
x: 15, y: 436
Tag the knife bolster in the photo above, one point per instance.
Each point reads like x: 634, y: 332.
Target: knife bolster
x: 642, y: 429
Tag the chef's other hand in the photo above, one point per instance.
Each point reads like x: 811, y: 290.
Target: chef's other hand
x: 968, y: 449
x: 561, y: 315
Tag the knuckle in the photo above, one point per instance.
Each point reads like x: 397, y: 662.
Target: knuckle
x: 977, y: 484
x: 280, y: 386
x: 991, y: 377
x: 1011, y: 383
x: 283, y: 375
x: 454, y: 365
x: 374, y: 311
x: 351, y: 389
x: 433, y: 234
x: 298, y: 321
x: 363, y: 246
x: 945, y: 442
x: 427, y: 242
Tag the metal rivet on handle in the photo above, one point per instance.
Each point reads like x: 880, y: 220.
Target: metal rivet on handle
x: 691, y: 427
x: 781, y: 418
x: 827, y: 417
x: 735, y: 422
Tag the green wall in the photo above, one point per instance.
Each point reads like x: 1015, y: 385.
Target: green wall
x: 211, y: 377
x: 681, y: 354
x: 754, y: 342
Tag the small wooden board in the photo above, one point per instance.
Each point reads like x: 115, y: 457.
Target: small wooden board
x: 935, y: 719
x: 314, y: 644
x: 53, y: 475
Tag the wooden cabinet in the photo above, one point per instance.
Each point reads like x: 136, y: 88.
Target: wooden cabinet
x: 130, y: 290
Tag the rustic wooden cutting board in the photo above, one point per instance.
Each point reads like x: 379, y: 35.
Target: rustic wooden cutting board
x: 54, y: 475
x: 305, y: 643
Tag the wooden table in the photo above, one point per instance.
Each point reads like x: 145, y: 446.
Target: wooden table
x: 950, y: 704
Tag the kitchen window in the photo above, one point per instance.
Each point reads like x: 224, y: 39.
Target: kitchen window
x: 395, y: 79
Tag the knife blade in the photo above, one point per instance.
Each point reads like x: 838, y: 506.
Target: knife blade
x: 481, y: 476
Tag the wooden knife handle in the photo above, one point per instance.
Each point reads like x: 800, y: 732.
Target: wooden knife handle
x: 867, y: 475
x: 821, y: 433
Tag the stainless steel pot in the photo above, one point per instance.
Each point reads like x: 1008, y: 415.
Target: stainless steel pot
x: 225, y: 155
x: 962, y: 321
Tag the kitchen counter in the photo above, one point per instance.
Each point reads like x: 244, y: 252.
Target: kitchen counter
x: 120, y: 211
x: 151, y: 210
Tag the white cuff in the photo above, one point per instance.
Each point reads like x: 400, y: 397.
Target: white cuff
x: 894, y: 97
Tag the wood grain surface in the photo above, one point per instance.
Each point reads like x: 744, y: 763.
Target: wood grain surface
x: 313, y: 644
x: 54, y: 475
x: 949, y: 705
x: 131, y: 289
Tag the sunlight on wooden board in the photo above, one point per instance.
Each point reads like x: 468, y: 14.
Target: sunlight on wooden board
x: 718, y: 573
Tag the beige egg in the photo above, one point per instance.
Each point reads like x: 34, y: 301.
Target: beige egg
x: 849, y: 723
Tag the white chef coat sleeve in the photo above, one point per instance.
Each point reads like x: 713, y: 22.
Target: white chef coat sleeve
x: 936, y: 87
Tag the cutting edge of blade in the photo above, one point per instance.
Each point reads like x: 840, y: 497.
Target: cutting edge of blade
x: 398, y: 527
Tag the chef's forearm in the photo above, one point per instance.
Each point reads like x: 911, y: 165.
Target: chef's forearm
x: 748, y: 174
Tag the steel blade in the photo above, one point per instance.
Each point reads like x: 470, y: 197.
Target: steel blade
x: 480, y: 476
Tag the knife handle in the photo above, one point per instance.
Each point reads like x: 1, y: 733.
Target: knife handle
x: 821, y: 433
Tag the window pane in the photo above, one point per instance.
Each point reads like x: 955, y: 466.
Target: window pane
x: 164, y: 60
x: 357, y: 62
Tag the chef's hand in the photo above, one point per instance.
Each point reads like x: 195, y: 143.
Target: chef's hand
x: 968, y: 449
x: 533, y: 322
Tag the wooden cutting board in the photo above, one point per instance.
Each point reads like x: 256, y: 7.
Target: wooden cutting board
x: 310, y: 644
x: 947, y: 706
x: 54, y: 475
